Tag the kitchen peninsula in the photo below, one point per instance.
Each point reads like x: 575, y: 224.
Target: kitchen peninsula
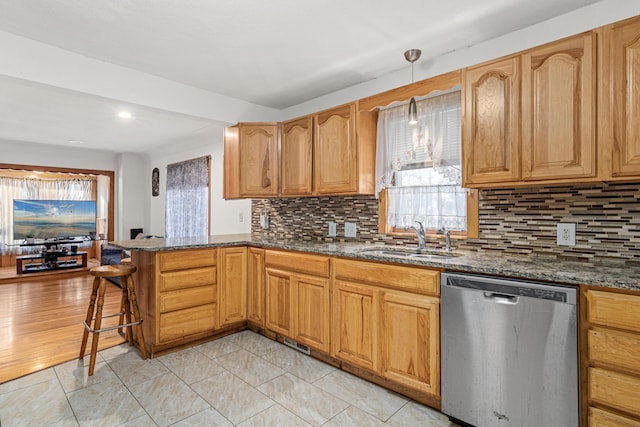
x: 315, y: 295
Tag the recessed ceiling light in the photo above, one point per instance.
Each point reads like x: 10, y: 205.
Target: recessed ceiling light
x: 124, y: 115
x: 75, y: 141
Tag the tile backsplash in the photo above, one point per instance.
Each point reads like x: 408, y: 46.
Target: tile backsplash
x: 514, y: 221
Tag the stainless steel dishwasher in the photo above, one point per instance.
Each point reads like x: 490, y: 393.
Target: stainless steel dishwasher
x: 509, y: 352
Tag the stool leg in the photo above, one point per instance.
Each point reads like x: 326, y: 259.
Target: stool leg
x: 98, y: 323
x: 121, y: 318
x: 136, y: 314
x: 92, y: 302
x: 126, y: 309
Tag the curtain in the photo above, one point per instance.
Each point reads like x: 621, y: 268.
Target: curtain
x: 420, y: 165
x: 35, y: 189
x: 187, y: 204
x: 102, y: 204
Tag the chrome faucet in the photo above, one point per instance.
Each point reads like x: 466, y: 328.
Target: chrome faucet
x: 447, y: 235
x: 419, y: 230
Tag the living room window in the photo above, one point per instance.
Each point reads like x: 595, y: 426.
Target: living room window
x: 187, y: 204
x: 38, y: 183
x: 418, y: 167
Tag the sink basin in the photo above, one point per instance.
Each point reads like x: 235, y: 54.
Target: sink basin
x: 436, y: 254
x: 411, y: 252
x: 390, y: 252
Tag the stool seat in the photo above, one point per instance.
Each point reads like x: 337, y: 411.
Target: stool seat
x: 129, y: 309
x: 113, y: 270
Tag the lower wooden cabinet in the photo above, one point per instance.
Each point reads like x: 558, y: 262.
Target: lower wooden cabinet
x: 297, y: 295
x: 391, y: 332
x: 601, y: 418
x: 410, y: 340
x: 278, y: 306
x: 177, y: 294
x: 255, y: 287
x: 613, y: 361
x: 354, y: 337
x: 232, y: 286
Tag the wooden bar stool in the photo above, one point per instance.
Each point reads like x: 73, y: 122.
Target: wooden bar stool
x: 129, y: 307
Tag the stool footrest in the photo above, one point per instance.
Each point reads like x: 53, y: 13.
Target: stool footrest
x: 109, y: 328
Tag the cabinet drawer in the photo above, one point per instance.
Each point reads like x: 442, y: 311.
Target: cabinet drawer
x: 181, y: 323
x: 616, y: 390
x: 601, y: 418
x: 186, y: 298
x: 394, y: 276
x: 619, y: 349
x: 317, y: 265
x: 187, y: 279
x: 614, y: 309
x: 179, y: 260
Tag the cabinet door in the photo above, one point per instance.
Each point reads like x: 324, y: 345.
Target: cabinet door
x: 625, y: 69
x: 231, y: 165
x: 335, y: 151
x: 295, y: 154
x: 355, y: 334
x: 258, y: 152
x: 311, y: 325
x: 278, y: 307
x: 232, y: 287
x: 558, y: 110
x: 255, y: 287
x: 491, y: 129
x: 410, y: 340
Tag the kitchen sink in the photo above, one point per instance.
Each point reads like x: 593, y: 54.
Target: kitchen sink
x: 437, y: 254
x: 411, y: 252
x: 391, y: 252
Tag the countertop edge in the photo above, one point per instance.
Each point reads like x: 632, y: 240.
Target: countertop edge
x: 558, y: 272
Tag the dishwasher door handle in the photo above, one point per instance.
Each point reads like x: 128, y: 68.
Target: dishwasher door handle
x: 501, y: 298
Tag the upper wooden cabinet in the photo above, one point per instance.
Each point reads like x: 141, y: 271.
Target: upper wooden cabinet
x: 621, y: 61
x: 251, y: 160
x: 296, y: 161
x: 559, y: 110
x: 532, y: 117
x: 328, y: 153
x: 335, y: 151
x: 491, y: 129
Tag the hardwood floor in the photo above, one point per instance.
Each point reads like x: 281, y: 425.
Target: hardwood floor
x: 41, y: 321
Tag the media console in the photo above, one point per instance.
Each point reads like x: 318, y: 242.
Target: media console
x: 50, y: 261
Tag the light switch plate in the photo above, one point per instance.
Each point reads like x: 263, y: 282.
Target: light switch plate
x: 350, y: 229
x: 566, y: 234
x: 332, y: 229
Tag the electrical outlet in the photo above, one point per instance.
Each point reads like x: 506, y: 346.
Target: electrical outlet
x: 566, y: 234
x: 349, y: 229
x: 240, y: 217
x: 332, y: 230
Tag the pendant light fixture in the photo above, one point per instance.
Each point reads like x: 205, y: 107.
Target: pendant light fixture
x: 412, y: 55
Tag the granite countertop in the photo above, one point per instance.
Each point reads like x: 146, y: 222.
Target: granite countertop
x: 565, y: 272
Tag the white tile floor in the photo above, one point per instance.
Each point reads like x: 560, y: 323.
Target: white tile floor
x: 243, y: 379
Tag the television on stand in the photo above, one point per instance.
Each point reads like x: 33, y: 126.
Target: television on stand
x: 53, y: 219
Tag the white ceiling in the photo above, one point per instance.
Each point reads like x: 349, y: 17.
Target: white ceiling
x: 275, y: 53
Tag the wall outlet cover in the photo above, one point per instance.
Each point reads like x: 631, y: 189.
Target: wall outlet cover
x: 332, y: 229
x: 350, y: 229
x: 566, y: 234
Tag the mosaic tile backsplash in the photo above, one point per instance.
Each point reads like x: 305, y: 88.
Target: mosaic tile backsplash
x: 514, y: 221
